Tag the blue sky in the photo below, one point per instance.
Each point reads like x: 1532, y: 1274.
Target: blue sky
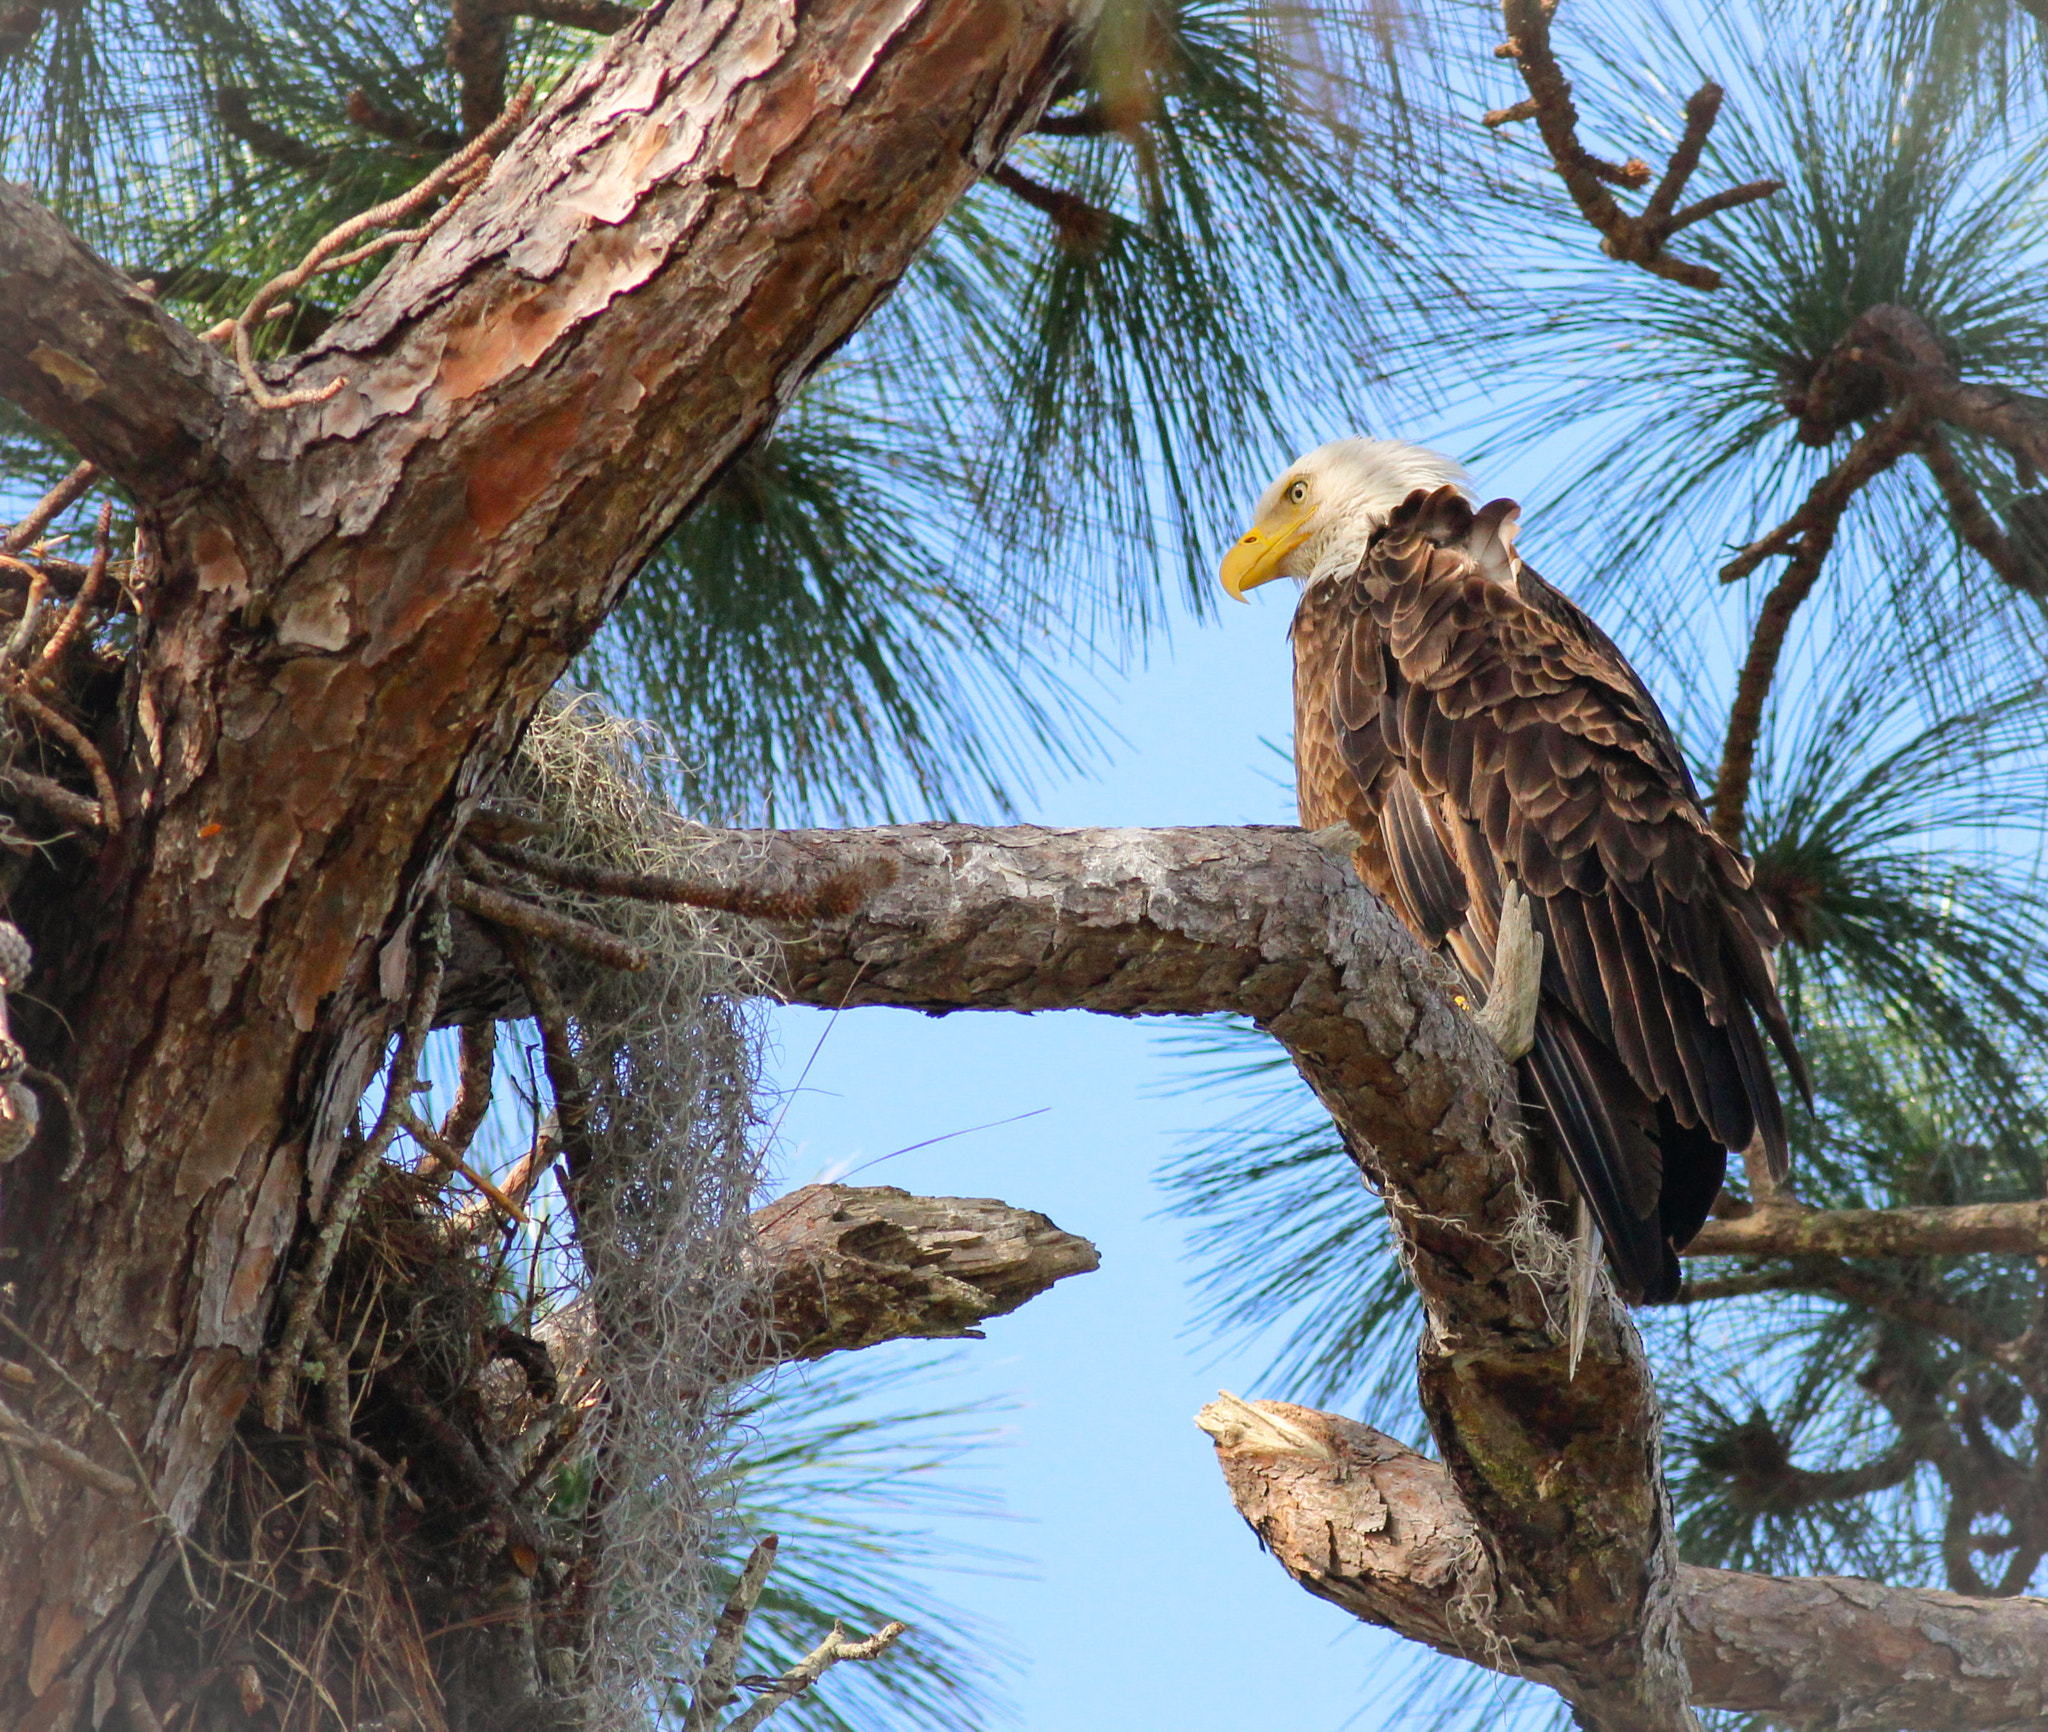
x: 1141, y: 1598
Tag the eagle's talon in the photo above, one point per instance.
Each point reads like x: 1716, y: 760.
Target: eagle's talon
x: 1509, y: 1016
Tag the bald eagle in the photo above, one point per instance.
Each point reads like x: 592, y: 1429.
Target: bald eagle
x: 1503, y: 771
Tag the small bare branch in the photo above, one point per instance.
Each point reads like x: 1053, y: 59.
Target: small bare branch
x: 47, y: 509
x: 565, y: 1078
x: 460, y: 172
x: 1495, y: 118
x: 88, y: 591
x: 1809, y: 535
x: 813, y: 1666
x: 722, y: 1652
x: 13, y: 691
x: 445, y: 1159
x: 17, y: 1431
x: 503, y: 909
x: 472, y: 1098
x: 1640, y: 239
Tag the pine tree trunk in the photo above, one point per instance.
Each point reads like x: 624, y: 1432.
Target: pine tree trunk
x: 356, y: 606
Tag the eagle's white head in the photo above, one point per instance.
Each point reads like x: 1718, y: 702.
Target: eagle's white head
x: 1316, y: 519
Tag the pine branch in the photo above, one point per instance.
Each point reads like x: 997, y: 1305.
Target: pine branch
x: 1077, y: 224
x: 1152, y: 922
x: 856, y: 1265
x: 1640, y: 239
x: 477, y: 39
x: 1808, y: 535
x: 1970, y: 1229
x: 1831, y: 1278
x: 232, y: 105
x: 364, y: 111
x: 1977, y: 527
x: 602, y: 17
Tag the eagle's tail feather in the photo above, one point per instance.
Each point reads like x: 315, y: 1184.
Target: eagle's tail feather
x: 1597, y: 1115
x: 1585, y: 1262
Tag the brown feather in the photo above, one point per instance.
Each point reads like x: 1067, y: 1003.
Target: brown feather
x: 1476, y: 727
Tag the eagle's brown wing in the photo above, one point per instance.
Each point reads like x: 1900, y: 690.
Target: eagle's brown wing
x: 1493, y: 733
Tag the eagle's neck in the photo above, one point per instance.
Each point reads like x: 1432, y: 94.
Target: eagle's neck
x: 1334, y: 552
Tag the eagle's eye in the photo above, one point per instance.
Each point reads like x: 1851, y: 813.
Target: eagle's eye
x: 1298, y: 492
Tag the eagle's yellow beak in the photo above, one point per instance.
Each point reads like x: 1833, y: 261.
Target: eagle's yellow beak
x: 1256, y: 558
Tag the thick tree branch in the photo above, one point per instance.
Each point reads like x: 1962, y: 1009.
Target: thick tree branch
x: 1367, y: 1524
x: 857, y: 1264
x: 87, y: 354
x: 1965, y: 1230
x: 1564, y: 1472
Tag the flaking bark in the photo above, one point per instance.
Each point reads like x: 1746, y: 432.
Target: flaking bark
x: 359, y: 604
x: 1366, y: 1523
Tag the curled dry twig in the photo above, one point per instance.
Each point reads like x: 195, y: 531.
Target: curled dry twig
x: 60, y: 498
x: 461, y: 172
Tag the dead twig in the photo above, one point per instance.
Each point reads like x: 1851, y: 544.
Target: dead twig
x: 44, y: 716
x: 74, y: 615
x: 501, y: 908
x: 832, y: 898
x: 19, y: 641
x: 461, y: 171
x: 362, y: 1452
x: 807, y: 1671
x: 472, y: 1099
x: 714, y: 1688
x: 1639, y: 239
x: 53, y: 797
x: 60, y: 498
x: 565, y: 1078
x: 23, y: 1436
x: 19, y: 1480
x: 447, y: 1160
